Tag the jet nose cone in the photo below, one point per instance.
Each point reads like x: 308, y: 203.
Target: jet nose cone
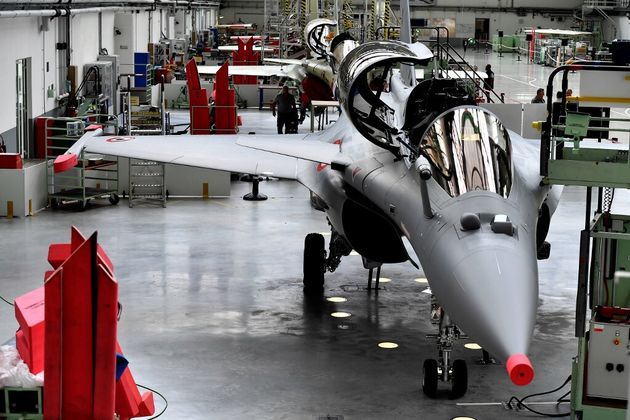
x: 520, y: 369
x: 489, y: 287
x: 496, y: 292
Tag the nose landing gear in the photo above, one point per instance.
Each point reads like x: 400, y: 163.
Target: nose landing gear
x: 443, y: 369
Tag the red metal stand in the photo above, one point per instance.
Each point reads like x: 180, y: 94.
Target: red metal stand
x: 225, y: 116
x: 75, y: 315
x: 198, y: 101
x: 245, y: 56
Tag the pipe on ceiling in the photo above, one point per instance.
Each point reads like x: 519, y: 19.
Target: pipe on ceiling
x: 61, y: 3
x: 55, y: 12
x: 60, y: 12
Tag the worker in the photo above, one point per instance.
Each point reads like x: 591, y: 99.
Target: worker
x: 540, y: 97
x: 489, y: 82
x: 287, y: 111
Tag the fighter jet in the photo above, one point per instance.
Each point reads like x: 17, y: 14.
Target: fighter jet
x: 403, y: 160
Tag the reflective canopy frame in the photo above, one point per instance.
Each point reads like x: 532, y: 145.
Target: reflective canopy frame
x: 469, y: 149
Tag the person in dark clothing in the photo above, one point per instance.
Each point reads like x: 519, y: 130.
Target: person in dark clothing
x: 287, y: 111
x: 489, y: 82
x: 540, y: 96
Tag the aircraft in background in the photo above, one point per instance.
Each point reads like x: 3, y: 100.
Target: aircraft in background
x: 419, y: 161
x: 558, y: 32
x: 318, y: 75
x: 236, y: 26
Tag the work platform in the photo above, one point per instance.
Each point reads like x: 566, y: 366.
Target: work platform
x: 576, y: 150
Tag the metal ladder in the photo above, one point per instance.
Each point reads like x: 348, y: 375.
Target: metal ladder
x: 146, y: 182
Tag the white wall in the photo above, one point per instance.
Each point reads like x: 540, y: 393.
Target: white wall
x: 83, y: 41
x: 155, y: 27
x: 135, y: 35
x: 48, y: 71
x: 21, y: 38
x: 231, y: 15
x: 621, y: 28
x: 142, y: 30
x: 563, y: 4
x: 108, y: 31
x: 509, y: 23
x: 124, y: 40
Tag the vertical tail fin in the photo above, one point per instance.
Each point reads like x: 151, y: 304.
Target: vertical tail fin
x: 407, y: 71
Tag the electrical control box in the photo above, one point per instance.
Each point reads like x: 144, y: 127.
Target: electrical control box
x: 115, y: 83
x: 608, y: 362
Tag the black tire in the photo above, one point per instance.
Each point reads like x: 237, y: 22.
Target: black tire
x: 459, y: 379
x: 314, y: 263
x: 114, y: 199
x: 430, y: 377
x: 55, y: 204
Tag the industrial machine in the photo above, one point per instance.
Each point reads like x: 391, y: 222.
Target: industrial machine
x: 98, y: 88
x: 115, y: 82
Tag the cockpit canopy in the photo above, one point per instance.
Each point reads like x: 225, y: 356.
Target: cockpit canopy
x: 364, y: 81
x: 469, y: 149
x: 318, y: 33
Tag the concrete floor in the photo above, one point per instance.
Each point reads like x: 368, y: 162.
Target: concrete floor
x: 215, y: 319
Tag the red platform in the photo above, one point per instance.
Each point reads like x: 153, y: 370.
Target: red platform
x: 10, y: 161
x: 80, y: 313
x: 29, y: 312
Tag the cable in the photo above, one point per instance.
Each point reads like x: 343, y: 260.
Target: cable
x: 6, y: 301
x: 520, y: 402
x: 160, y: 395
x: 562, y: 399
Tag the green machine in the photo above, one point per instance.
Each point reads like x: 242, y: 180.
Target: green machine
x: 599, y: 385
x: 600, y: 371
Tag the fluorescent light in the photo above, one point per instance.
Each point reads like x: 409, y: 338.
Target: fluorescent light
x: 340, y: 314
x: 384, y: 280
x: 388, y: 345
x: 421, y: 280
x: 336, y: 299
x: 472, y: 346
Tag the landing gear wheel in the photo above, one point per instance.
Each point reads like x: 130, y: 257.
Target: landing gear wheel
x: 55, y: 204
x: 314, y: 263
x: 114, y: 199
x: 430, y: 377
x: 459, y: 379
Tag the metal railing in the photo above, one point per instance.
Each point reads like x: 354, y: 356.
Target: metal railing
x: 606, y: 3
x: 548, y: 127
x: 60, y: 134
x: 444, y: 52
